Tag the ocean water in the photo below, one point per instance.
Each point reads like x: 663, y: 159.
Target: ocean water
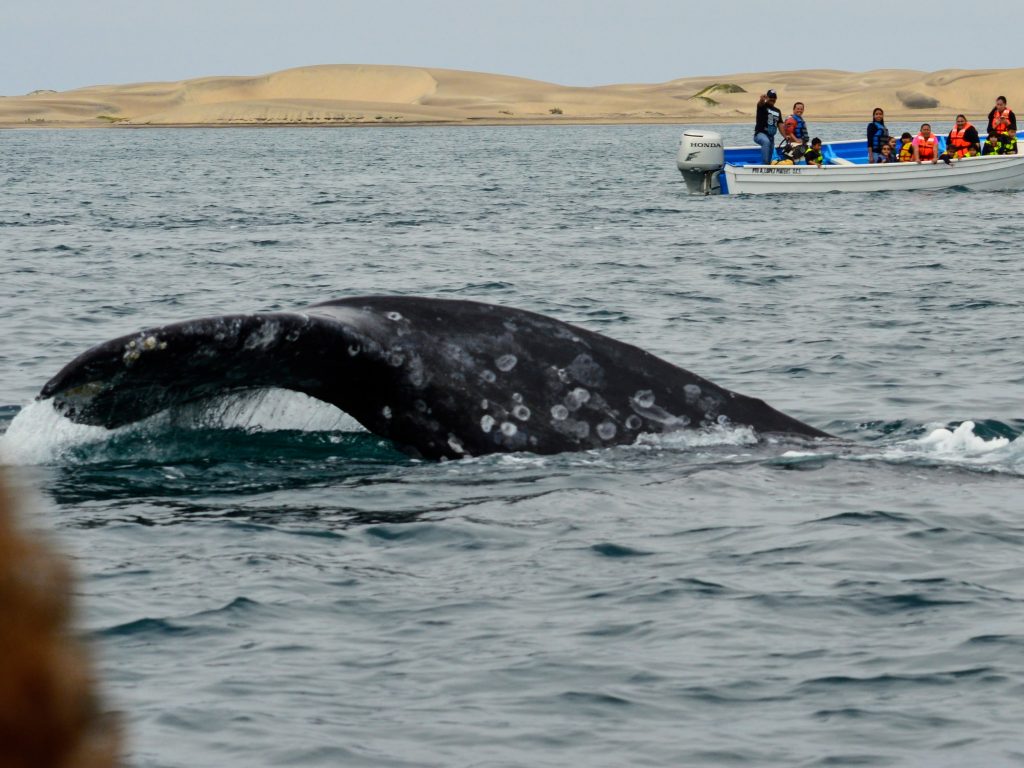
x: 265, y: 583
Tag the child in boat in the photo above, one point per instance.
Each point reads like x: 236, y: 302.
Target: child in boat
x: 885, y: 155
x: 813, y: 155
x: 998, y: 144
x: 905, y: 153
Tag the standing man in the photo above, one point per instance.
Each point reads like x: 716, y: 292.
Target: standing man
x: 1002, y: 127
x: 767, y: 124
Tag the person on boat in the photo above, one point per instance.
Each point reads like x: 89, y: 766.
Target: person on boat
x: 886, y: 155
x: 766, y: 124
x: 794, y: 130
x: 905, y: 153
x: 878, y: 134
x: 926, y: 145
x: 813, y: 155
x: 998, y: 144
x: 1003, y: 123
x: 963, y: 141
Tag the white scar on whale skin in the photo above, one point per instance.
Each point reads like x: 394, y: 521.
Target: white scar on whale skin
x: 505, y: 363
x: 577, y: 398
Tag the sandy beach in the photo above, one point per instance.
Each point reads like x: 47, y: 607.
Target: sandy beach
x: 350, y: 94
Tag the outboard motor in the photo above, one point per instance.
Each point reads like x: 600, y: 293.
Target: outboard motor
x: 701, y: 158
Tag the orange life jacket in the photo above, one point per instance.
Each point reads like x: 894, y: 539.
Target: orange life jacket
x: 956, y: 138
x: 926, y: 149
x: 958, y: 145
x: 1001, y: 121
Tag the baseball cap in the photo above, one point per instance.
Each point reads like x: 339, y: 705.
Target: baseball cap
x: 772, y: 94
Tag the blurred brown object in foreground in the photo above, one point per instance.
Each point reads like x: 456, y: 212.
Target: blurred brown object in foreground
x: 49, y: 712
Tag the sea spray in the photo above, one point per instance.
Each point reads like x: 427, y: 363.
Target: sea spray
x: 39, y: 434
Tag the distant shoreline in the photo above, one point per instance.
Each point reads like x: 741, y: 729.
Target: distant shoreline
x: 473, y: 123
x: 352, y: 95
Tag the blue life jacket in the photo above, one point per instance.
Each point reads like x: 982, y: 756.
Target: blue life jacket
x: 801, y: 128
x: 881, y: 136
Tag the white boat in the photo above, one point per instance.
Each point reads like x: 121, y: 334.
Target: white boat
x: 995, y: 172
x: 710, y: 168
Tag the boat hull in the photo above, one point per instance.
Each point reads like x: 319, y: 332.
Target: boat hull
x: 1005, y: 172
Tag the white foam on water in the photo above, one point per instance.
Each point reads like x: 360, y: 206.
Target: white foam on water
x: 41, y: 435
x: 961, y: 442
x: 957, y: 447
x: 960, y: 446
x: 686, y: 439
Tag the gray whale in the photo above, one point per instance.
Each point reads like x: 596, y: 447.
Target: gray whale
x: 439, y: 378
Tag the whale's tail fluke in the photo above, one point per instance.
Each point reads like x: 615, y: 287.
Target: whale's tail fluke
x: 129, y: 378
x: 439, y: 378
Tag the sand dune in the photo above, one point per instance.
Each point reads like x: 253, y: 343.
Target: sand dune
x: 356, y: 94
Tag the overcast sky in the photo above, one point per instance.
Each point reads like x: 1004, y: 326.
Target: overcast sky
x: 64, y: 44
